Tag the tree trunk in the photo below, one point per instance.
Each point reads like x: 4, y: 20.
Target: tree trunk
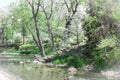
x: 67, y: 30
x: 51, y: 35
x: 77, y: 36
x: 38, y: 40
x: 41, y: 48
x: 23, y: 34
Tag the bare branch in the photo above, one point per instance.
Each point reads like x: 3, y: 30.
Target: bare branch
x: 75, y: 8
x: 51, y: 9
x: 44, y: 11
x: 32, y: 6
x: 67, y: 5
x: 29, y: 3
x: 37, y: 8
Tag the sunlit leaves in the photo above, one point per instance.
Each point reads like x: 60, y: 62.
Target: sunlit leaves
x: 110, y: 42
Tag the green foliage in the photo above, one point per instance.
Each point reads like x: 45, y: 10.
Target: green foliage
x: 28, y: 49
x: 9, y: 32
x: 60, y: 59
x: 17, y: 43
x: 20, y: 20
x: 114, y: 55
x: 26, y: 46
x: 91, y: 26
x: 116, y: 12
x: 100, y: 62
x: 98, y: 52
x: 57, y: 61
x: 75, y: 61
x: 48, y: 48
x: 32, y: 51
x: 12, y: 51
x: 70, y: 60
x: 110, y: 42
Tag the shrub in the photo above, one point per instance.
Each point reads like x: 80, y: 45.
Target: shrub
x: 28, y: 49
x: 100, y: 63
x: 75, y: 61
x: 70, y: 60
x: 114, y: 55
x: 90, y: 25
x: 61, y: 59
x: 17, y: 43
x: 57, y: 61
x: 27, y: 46
x: 48, y: 48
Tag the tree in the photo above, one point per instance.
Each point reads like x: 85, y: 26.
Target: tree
x: 37, y: 39
x: 3, y: 28
x: 72, y: 7
x: 48, y: 16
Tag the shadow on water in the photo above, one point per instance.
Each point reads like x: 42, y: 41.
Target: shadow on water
x: 29, y: 71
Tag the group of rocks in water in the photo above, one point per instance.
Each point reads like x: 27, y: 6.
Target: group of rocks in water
x: 71, y: 70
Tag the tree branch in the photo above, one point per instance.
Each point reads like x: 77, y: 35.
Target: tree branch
x: 51, y: 9
x: 67, y: 5
x: 44, y: 11
x: 37, y: 8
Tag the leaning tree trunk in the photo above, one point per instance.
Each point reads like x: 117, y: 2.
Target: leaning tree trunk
x: 40, y: 46
x: 35, y: 11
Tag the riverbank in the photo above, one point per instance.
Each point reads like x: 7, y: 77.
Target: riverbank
x: 4, y: 75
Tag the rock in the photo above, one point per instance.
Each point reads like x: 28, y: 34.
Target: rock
x: 36, y: 62
x: 88, y: 67
x: 42, y: 61
x: 72, y: 70
x: 21, y: 62
x: 49, y: 65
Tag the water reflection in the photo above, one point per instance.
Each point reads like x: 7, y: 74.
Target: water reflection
x: 30, y: 71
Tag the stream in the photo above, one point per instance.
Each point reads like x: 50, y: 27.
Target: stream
x: 30, y: 71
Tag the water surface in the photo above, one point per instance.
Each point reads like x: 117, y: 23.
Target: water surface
x: 30, y: 71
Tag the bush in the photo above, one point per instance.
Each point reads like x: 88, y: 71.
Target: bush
x: 17, y: 43
x: 48, y: 48
x: 57, y: 61
x: 100, y: 63
x: 114, y: 56
x: 75, y: 61
x: 91, y: 24
x: 60, y: 59
x: 27, y: 46
x: 70, y: 60
x: 28, y: 49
